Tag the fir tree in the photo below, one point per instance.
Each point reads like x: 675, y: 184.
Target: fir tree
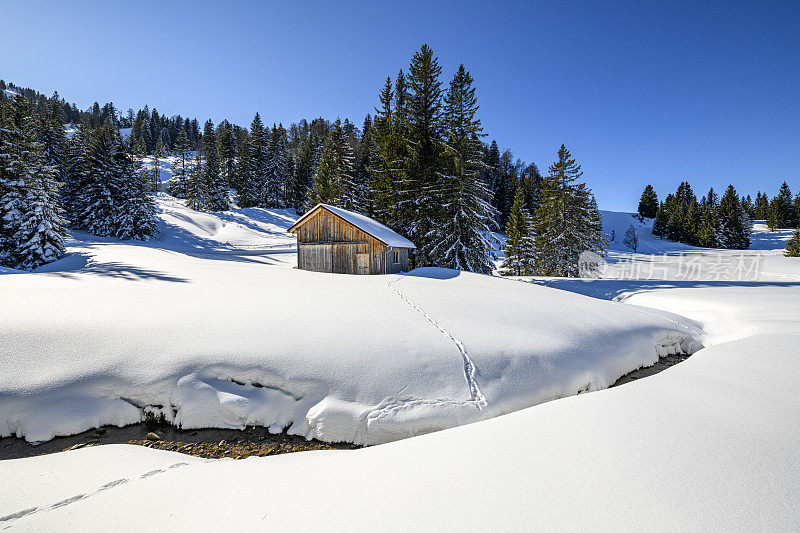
x: 40, y: 234
x: 12, y: 175
x: 181, y: 166
x: 226, y: 148
x: 425, y: 162
x: 648, y: 204
x: 520, y: 252
x: 460, y: 237
x: 709, y: 224
x: 304, y: 175
x: 793, y: 245
x: 196, y: 190
x: 386, y: 166
x: 257, y: 194
x: 762, y: 206
x: 218, y: 199
x: 781, y: 209
x: 155, y: 171
x: 323, y: 189
x: 567, y: 222
x: 735, y: 224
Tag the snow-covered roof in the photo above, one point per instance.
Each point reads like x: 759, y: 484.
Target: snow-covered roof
x: 364, y: 223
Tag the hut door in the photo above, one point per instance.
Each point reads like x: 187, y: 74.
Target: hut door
x: 362, y: 261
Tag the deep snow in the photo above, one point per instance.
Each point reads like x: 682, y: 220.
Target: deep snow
x: 209, y: 326
x: 709, y: 444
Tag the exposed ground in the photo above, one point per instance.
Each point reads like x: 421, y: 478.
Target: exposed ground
x: 208, y: 443
x: 213, y: 443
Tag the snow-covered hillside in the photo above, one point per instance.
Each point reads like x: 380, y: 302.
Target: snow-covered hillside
x: 709, y: 444
x: 210, y: 326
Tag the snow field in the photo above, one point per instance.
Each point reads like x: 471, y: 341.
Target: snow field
x: 209, y: 326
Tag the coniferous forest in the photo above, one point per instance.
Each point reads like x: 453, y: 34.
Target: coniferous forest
x: 420, y: 164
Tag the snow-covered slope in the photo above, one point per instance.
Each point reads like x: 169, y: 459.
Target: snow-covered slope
x: 709, y: 444
x: 210, y: 326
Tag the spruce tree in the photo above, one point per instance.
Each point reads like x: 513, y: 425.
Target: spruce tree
x: 226, y: 147
x: 567, y: 222
x: 520, y: 252
x: 762, y: 206
x: 709, y: 223
x: 218, y: 199
x: 323, y: 189
x: 460, y: 237
x: 425, y: 162
x: 12, y: 175
x: 40, y: 232
x: 257, y: 193
x: 242, y: 170
x: 648, y: 203
x: 304, y: 175
x: 155, y: 171
x: 793, y: 245
x: 386, y: 166
x: 181, y: 166
x: 196, y: 190
x: 735, y: 223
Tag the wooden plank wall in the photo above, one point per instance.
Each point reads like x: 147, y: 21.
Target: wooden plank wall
x: 392, y: 268
x: 342, y: 239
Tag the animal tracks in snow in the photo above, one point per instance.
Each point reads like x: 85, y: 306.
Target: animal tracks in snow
x: 10, y: 518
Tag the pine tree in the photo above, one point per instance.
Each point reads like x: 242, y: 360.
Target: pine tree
x: 277, y: 178
x: 243, y: 174
x: 136, y: 218
x: 793, y: 245
x: 781, y: 209
x: 631, y: 238
x: 40, y: 234
x: 181, y: 166
x: 304, y: 176
x: 196, y: 189
x: 460, y: 237
x: 386, y: 166
x: 424, y: 163
x: 709, y: 224
x: 520, y: 251
x: 361, y: 176
x: 567, y: 222
x: 735, y: 224
x: 648, y: 204
x: 323, y: 189
x: 218, y: 199
x: 762, y: 206
x: 12, y: 175
x: 226, y: 147
x: 155, y: 171
x: 257, y: 194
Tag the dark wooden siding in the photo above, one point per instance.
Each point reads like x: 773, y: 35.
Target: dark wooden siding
x: 391, y: 266
x: 328, y: 243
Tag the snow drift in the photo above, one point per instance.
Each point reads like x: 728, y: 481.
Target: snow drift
x: 209, y: 326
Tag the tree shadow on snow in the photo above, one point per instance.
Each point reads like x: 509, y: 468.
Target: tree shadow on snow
x: 81, y: 263
x: 432, y: 273
x: 608, y: 289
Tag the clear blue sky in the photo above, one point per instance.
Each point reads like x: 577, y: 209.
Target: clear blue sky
x: 639, y: 91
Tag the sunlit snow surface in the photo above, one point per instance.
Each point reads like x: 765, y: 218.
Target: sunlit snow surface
x: 709, y: 444
x: 210, y: 326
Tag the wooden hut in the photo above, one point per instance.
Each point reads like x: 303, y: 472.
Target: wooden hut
x: 332, y: 239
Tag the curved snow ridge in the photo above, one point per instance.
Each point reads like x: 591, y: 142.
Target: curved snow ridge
x: 234, y: 398
x: 214, y: 397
